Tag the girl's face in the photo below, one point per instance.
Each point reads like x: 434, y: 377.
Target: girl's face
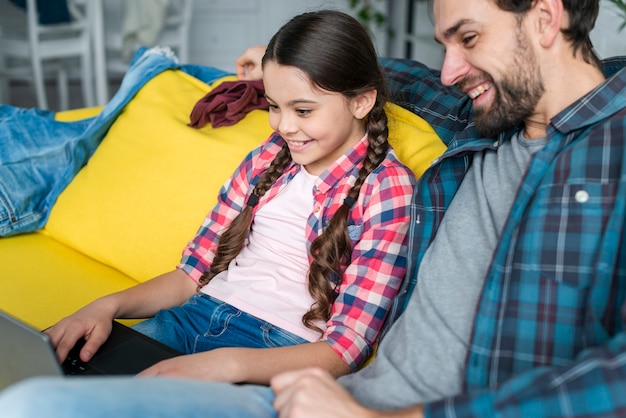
x: 319, y: 126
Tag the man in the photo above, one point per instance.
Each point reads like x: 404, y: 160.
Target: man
x: 517, y: 294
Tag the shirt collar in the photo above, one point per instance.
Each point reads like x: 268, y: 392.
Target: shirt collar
x: 343, y: 166
x: 600, y: 103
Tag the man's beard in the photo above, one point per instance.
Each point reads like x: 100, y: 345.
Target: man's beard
x: 515, y: 96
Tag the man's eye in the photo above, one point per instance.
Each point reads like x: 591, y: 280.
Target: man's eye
x: 468, y: 40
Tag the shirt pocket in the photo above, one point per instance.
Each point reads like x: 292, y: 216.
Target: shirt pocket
x: 355, y: 232
x: 565, y: 231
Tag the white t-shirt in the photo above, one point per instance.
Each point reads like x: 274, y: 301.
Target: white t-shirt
x: 268, y: 278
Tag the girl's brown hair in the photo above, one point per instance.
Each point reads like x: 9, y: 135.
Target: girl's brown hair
x: 337, y: 54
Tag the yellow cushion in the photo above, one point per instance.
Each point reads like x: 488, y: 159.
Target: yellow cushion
x: 77, y: 114
x: 416, y: 143
x: 43, y: 280
x: 152, y: 180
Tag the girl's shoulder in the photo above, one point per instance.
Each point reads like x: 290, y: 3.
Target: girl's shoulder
x: 391, y: 166
x: 265, y: 152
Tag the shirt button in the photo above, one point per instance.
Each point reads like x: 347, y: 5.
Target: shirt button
x: 581, y: 196
x: 317, y: 208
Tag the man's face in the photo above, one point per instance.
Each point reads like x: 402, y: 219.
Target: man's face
x: 490, y: 58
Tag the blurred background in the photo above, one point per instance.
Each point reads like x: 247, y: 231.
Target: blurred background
x: 61, y: 54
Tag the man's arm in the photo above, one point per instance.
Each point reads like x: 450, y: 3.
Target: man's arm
x: 418, y: 88
x: 592, y: 386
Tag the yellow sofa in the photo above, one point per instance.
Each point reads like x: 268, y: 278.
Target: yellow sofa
x: 129, y: 212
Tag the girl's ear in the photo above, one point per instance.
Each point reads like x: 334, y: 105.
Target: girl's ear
x: 363, y: 103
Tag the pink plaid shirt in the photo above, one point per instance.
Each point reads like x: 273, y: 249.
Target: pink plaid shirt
x: 378, y: 225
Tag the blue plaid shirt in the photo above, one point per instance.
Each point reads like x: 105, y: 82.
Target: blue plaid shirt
x: 549, y: 334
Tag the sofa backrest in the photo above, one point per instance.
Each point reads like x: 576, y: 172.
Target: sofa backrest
x: 153, y: 179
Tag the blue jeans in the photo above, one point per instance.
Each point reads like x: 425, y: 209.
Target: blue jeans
x: 39, y: 156
x: 134, y: 397
x: 204, y: 323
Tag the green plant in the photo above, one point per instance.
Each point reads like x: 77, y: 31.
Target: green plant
x: 370, y: 15
x: 367, y: 13
x: 621, y: 5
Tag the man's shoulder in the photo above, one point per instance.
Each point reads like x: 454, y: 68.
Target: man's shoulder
x: 613, y: 65
x: 418, y: 88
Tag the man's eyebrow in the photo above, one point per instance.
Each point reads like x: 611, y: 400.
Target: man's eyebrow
x: 452, y: 30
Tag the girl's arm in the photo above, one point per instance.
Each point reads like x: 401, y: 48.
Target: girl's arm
x: 378, y: 264
x: 250, y: 365
x: 93, y: 322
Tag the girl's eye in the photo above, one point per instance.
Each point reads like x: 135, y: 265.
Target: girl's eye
x: 273, y: 108
x: 303, y: 112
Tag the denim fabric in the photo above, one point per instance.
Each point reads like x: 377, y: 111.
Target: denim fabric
x: 204, y: 323
x: 40, y: 156
x: 119, y: 397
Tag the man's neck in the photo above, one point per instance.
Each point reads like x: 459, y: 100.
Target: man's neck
x: 563, y: 87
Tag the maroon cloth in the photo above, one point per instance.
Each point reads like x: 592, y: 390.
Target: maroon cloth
x: 228, y: 103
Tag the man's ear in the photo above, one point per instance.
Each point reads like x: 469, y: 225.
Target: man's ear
x: 551, y: 18
x: 363, y: 103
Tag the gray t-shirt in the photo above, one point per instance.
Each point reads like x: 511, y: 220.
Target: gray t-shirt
x: 422, y: 357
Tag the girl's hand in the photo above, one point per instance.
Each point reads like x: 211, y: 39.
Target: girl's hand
x: 93, y: 323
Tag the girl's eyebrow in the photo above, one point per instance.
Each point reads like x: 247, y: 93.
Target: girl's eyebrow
x: 293, y: 102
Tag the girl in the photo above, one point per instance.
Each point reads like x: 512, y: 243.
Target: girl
x: 300, y: 259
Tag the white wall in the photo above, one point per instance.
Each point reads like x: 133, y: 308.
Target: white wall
x: 222, y: 29
x: 605, y: 37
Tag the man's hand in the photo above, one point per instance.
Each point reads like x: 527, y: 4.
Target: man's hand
x: 314, y: 393
x: 248, y: 65
x: 311, y: 393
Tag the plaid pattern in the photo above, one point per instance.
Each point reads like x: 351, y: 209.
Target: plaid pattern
x: 378, y: 227
x: 549, y: 336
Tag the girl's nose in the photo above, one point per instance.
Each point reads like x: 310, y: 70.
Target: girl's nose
x: 287, y: 124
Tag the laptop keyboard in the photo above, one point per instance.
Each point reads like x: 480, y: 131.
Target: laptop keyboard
x: 73, y: 365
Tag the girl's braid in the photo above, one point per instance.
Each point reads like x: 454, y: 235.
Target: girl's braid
x: 234, y: 237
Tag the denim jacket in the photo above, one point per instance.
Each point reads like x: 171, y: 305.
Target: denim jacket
x: 39, y: 156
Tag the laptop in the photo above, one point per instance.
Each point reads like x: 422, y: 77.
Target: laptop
x: 26, y: 352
